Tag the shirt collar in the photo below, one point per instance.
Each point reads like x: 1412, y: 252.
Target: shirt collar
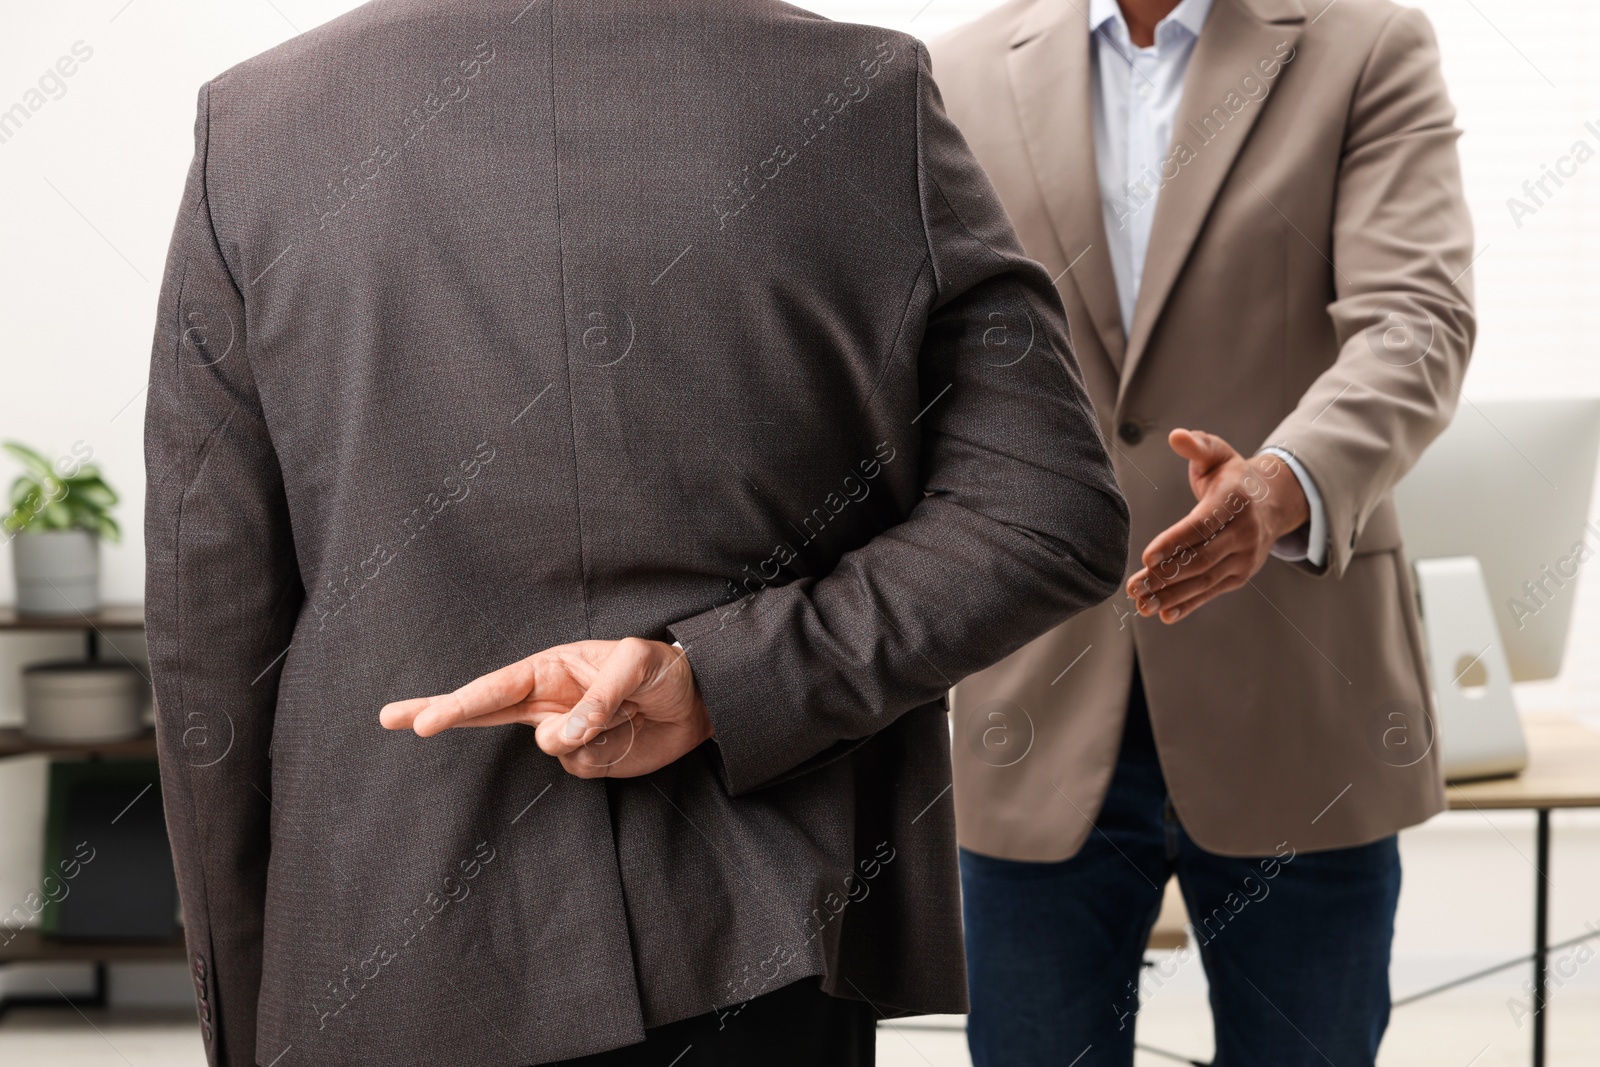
x: 1189, y: 15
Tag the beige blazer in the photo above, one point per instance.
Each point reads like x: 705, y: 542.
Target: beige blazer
x: 1307, y: 286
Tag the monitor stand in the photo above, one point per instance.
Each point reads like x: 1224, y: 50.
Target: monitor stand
x: 1478, y: 729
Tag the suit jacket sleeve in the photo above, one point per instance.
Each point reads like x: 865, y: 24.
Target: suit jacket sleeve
x: 1402, y: 246
x: 222, y: 594
x: 1022, y: 524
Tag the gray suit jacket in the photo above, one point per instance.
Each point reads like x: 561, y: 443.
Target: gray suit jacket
x: 489, y: 326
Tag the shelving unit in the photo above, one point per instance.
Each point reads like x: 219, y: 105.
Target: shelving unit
x: 32, y: 946
x: 93, y: 627
x: 13, y: 742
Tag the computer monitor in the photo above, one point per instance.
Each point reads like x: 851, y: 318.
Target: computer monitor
x: 1510, y: 483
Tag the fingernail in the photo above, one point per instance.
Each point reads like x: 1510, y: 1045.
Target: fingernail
x: 421, y: 719
x: 574, y: 727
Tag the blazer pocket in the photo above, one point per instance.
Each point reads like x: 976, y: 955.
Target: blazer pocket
x: 1381, y: 532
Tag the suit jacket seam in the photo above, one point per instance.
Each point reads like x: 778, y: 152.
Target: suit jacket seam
x: 900, y: 330
x: 916, y: 162
x: 1361, y: 77
x: 199, y: 826
x: 211, y: 218
x: 938, y: 188
x: 566, y: 339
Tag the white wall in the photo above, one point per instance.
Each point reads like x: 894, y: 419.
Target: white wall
x: 90, y: 185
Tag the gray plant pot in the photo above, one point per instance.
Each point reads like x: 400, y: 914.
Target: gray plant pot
x: 58, y: 572
x: 82, y: 702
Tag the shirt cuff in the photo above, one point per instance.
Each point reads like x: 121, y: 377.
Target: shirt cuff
x: 1309, y: 543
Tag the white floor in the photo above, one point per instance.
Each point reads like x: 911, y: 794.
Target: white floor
x: 1465, y: 904
x: 1457, y: 1030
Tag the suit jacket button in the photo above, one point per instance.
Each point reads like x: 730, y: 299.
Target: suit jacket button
x: 1130, y: 432
x: 205, y: 1029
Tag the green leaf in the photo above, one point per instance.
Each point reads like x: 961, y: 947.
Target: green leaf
x: 56, y: 516
x: 44, y: 500
x: 25, y: 510
x: 30, y: 459
x: 22, y: 487
x: 84, y: 515
x: 92, y: 489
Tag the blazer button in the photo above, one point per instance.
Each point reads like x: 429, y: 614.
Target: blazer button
x: 205, y: 1029
x: 1130, y: 432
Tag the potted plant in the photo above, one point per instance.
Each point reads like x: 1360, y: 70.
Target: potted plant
x: 58, y: 516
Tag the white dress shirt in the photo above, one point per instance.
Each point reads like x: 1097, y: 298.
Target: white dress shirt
x: 1136, y: 95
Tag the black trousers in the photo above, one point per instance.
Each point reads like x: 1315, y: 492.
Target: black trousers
x: 796, y: 1026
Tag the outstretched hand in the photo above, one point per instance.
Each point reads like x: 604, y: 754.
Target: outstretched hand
x: 1245, y: 506
x: 606, y: 709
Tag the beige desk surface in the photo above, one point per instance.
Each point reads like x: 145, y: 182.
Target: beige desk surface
x: 1563, y: 770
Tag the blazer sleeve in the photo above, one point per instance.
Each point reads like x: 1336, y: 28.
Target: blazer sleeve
x: 222, y: 593
x: 1021, y: 525
x: 1402, y: 312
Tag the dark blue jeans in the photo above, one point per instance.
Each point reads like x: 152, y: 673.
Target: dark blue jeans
x: 1295, y: 946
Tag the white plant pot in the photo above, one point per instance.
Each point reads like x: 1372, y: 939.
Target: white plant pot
x: 81, y: 702
x: 57, y: 571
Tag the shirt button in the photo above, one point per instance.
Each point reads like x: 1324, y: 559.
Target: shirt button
x: 1130, y: 432
x: 1144, y: 92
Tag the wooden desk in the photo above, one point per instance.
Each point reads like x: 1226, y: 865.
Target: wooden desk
x: 1563, y: 772
x: 1171, y: 930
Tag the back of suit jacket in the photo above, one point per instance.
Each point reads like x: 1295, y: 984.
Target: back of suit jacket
x: 490, y: 326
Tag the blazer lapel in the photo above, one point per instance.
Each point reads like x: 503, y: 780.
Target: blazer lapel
x: 1236, y: 35
x: 1049, y: 67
